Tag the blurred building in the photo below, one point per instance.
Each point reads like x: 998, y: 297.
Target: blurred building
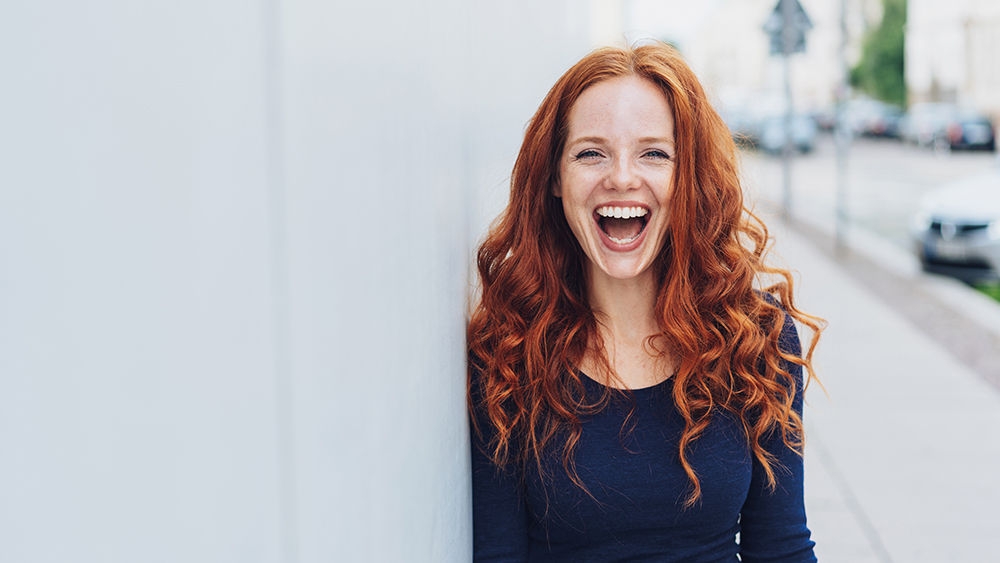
x: 953, y: 52
x: 727, y: 46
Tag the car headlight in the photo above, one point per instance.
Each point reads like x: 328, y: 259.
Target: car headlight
x: 922, y: 222
x: 993, y: 231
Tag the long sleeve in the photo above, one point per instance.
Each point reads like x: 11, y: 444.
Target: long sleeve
x: 499, y: 514
x: 773, y: 524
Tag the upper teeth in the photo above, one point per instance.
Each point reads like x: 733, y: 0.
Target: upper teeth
x: 621, y: 212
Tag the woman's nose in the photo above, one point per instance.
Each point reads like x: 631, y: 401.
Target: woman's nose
x: 624, y: 175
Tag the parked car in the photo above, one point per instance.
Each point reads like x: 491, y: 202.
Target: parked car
x: 957, y: 231
x: 767, y: 133
x: 825, y: 118
x: 970, y: 130
x: 925, y: 123
x: 872, y: 118
x: 947, y: 127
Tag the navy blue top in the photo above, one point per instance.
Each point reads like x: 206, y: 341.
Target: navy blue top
x: 639, y: 487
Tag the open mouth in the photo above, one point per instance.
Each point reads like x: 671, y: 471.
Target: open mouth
x: 622, y: 224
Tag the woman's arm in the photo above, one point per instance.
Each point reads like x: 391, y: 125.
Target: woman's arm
x: 773, y: 523
x: 499, y: 514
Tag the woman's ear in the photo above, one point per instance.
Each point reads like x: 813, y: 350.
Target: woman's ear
x: 556, y: 188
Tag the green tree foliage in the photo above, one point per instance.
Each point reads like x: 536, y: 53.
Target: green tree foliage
x: 879, y: 73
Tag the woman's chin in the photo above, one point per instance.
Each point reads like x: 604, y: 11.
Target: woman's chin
x: 619, y: 268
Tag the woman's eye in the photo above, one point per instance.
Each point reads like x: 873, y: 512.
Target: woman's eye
x: 658, y: 154
x: 588, y: 153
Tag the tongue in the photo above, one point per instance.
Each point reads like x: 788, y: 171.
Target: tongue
x: 622, y: 229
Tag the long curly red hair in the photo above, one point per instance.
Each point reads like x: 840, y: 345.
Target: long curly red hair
x: 532, y: 323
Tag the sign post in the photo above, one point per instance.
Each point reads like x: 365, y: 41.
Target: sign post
x: 787, y: 26
x: 843, y: 137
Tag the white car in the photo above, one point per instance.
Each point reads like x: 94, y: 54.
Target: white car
x: 957, y: 231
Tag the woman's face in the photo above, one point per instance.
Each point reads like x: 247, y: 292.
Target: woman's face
x: 615, y: 175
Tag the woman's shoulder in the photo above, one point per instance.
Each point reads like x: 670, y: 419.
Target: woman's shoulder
x: 788, y: 330
x: 769, y: 298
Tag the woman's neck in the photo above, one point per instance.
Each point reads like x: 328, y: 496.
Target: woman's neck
x: 624, y: 307
x: 626, y: 321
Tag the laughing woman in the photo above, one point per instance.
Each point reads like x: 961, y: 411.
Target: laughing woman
x: 635, y: 389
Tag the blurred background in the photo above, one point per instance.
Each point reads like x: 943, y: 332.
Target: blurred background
x: 235, y: 243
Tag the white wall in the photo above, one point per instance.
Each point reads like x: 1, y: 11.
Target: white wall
x: 234, y: 243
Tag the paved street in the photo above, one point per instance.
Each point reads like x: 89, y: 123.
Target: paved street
x: 902, y: 448
x: 885, y: 179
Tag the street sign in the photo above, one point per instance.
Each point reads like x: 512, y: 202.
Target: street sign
x: 799, y: 23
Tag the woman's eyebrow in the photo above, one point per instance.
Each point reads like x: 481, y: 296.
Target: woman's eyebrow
x: 666, y: 140
x: 589, y: 139
x: 643, y: 140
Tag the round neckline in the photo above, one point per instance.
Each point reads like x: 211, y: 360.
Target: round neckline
x: 636, y: 390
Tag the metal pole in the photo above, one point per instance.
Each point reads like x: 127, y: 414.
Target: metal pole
x: 842, y: 137
x: 787, y: 40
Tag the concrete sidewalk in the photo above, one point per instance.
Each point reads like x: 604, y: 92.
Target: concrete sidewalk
x: 903, y: 455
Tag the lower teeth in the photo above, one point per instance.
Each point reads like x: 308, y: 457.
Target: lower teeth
x: 623, y: 240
